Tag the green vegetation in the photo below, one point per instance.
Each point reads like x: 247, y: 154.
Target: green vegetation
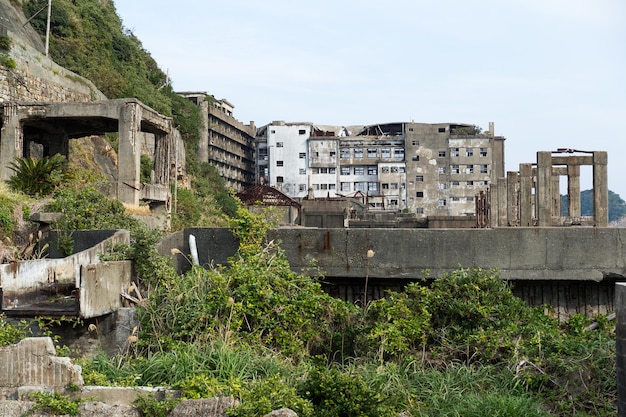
x: 54, y: 403
x: 38, y: 177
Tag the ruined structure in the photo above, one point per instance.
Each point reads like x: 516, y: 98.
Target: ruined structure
x: 425, y: 169
x: 44, y: 129
x: 225, y: 143
x: 532, y: 196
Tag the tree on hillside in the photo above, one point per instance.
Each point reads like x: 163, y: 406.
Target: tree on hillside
x: 617, y: 206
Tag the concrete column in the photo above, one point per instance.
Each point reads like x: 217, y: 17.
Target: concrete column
x: 11, y: 140
x: 544, y: 189
x: 203, y: 142
x: 525, y: 195
x: 620, y: 346
x: 573, y: 190
x: 129, y: 127
x: 501, y: 198
x: 600, y: 189
x: 512, y: 212
x: 555, y: 196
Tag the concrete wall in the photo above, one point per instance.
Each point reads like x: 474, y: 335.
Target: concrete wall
x: 33, y: 362
x: 567, y: 254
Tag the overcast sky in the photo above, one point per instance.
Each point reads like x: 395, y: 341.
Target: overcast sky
x: 549, y: 73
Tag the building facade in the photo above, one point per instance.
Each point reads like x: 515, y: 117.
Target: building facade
x: 225, y: 143
x: 426, y: 169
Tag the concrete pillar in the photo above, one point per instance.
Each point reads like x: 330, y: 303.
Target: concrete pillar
x: 129, y: 127
x: 555, y: 196
x: 620, y: 346
x: 573, y: 190
x: 203, y: 142
x: 525, y: 195
x: 501, y: 214
x: 11, y: 140
x: 600, y: 189
x: 544, y: 188
x: 512, y: 212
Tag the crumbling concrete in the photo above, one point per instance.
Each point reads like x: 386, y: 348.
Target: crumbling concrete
x: 33, y: 362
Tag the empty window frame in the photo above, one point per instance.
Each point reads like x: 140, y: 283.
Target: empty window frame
x: 469, y: 169
x: 419, y: 178
x: 415, y: 158
x: 454, y: 152
x: 419, y: 194
x: 483, y: 152
x: 385, y: 186
x: 280, y: 179
x: 469, y: 151
x: 333, y: 154
x: 279, y: 163
x: 442, y: 154
x: 302, y: 132
x: 384, y: 170
x: 455, y: 169
x: 483, y: 169
x: 442, y: 202
x: 415, y: 143
x: 302, y: 155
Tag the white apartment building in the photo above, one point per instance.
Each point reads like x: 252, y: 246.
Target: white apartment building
x: 427, y: 169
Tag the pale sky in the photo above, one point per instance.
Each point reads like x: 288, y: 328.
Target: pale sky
x: 549, y: 73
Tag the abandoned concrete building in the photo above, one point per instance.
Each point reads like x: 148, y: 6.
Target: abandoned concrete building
x: 425, y: 169
x: 226, y: 143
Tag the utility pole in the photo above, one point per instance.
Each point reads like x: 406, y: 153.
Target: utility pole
x: 48, y: 27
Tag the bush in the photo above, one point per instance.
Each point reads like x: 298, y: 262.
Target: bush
x: 37, y: 177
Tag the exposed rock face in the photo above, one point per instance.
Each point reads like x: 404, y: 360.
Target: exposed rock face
x: 283, y: 412
x: 209, y: 407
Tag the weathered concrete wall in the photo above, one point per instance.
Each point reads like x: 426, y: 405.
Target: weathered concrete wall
x: 620, y: 348
x: 33, y: 361
x: 568, y: 254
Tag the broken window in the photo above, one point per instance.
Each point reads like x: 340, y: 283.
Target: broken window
x: 372, y: 170
x: 441, y: 186
x: 469, y: 152
x: 302, y: 131
x: 385, y: 186
x: 372, y: 152
x: 384, y: 170
x: 415, y: 158
x: 454, y: 152
x: 393, y: 186
x: 442, y: 154
x: 280, y: 179
x: 331, y: 186
x: 470, y: 183
x: 333, y: 154
x: 442, y: 202
x: 398, y: 153
x: 419, y: 178
x: 469, y: 198
x: 415, y: 142
x: 344, y: 153
x: 332, y: 170
x: 358, y: 152
x: 279, y: 144
x: 455, y: 169
x: 385, y: 153
x: 419, y: 194
x: 279, y: 163
x: 323, y: 186
x: 302, y: 155
x: 442, y: 130
x: 456, y: 184
x: 441, y: 170
x: 401, y: 169
x: 469, y: 169
x: 455, y: 199
x: 301, y: 187
x: 483, y: 152
x: 394, y: 170
x: 483, y: 169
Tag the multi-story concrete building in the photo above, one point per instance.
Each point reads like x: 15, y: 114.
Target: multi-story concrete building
x: 226, y: 143
x: 427, y: 169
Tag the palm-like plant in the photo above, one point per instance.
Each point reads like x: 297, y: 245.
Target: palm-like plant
x: 37, y: 177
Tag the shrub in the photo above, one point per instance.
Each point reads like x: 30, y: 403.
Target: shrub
x: 37, y: 177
